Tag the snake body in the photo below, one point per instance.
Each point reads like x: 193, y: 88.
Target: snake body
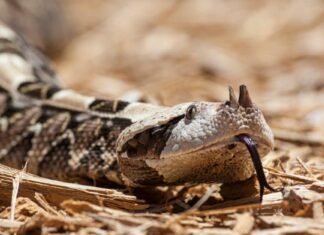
x: 72, y: 137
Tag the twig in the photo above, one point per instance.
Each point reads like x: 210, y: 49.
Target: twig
x: 195, y: 207
x: 5, y: 223
x: 203, y: 199
x: 304, y: 166
x: 15, y: 188
x: 42, y: 201
x: 56, y: 192
x: 291, y: 176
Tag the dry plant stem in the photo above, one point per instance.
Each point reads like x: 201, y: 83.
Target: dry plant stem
x: 4, y: 223
x: 195, y: 207
x: 305, y: 167
x: 203, y: 199
x: 56, y: 192
x: 15, y: 185
x: 42, y: 201
x: 291, y: 176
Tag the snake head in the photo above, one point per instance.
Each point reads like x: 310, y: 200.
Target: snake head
x: 194, y: 143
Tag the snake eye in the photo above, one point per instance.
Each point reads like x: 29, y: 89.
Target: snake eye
x: 191, y: 111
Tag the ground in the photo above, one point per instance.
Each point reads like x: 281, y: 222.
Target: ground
x: 177, y: 51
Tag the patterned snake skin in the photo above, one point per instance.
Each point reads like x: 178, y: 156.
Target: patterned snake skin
x: 68, y: 136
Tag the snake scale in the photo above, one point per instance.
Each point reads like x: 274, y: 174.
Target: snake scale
x: 72, y: 137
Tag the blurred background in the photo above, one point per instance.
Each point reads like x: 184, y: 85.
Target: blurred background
x: 175, y: 51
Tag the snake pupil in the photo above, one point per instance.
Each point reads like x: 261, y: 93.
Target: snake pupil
x: 191, y: 111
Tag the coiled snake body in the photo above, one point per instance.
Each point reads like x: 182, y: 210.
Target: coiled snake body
x: 68, y: 136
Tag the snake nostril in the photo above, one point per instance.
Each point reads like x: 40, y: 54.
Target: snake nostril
x: 231, y: 146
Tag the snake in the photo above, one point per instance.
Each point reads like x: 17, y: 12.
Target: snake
x: 68, y: 136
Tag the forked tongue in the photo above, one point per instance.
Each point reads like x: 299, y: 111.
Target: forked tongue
x: 249, y: 143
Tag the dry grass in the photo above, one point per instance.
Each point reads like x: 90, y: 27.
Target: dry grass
x: 175, y: 51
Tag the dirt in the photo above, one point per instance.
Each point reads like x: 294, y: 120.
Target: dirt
x: 175, y: 51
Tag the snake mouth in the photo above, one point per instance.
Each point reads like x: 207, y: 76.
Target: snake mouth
x: 252, y: 144
x: 257, y: 163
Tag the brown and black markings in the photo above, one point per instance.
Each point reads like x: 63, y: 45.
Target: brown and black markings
x: 69, y: 136
x: 146, y: 145
x: 109, y: 106
x: 82, y: 149
x: 58, y: 142
x: 75, y: 145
